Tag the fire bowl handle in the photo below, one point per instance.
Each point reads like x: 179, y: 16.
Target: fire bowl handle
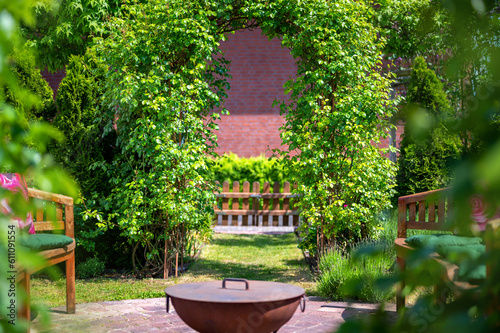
x: 234, y: 280
x: 303, y: 303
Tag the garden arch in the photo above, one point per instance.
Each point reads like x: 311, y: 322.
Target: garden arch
x: 167, y: 80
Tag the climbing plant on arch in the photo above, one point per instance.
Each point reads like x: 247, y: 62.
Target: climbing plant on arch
x: 167, y: 87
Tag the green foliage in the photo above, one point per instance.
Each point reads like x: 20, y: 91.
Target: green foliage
x: 16, y: 135
x: 78, y: 99
x: 473, y: 310
x: 253, y: 169
x: 426, y: 90
x: 309, y: 240
x: 412, y: 27
x: 69, y: 30
x: 91, y: 268
x: 336, y: 115
x: 428, y: 153
x: 30, y: 79
x: 165, y: 83
x: 345, y: 276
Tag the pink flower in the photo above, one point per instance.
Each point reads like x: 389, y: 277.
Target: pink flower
x: 14, y: 183
x: 478, y: 207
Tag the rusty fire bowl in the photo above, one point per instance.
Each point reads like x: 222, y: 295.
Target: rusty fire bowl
x: 259, y: 307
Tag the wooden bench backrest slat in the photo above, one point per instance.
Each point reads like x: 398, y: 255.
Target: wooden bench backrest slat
x: 441, y: 208
x: 421, y: 210
x: 412, y: 207
x: 59, y: 212
x: 39, y: 215
x: 425, y: 203
x: 54, y: 206
x: 46, y: 226
x: 432, y: 212
x: 424, y: 225
x: 62, y: 199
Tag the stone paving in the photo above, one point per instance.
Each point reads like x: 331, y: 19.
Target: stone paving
x: 149, y: 315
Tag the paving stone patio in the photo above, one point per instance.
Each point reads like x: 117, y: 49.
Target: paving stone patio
x: 149, y: 315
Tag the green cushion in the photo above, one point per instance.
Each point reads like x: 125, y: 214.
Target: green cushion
x: 466, y: 257
x: 457, y: 252
x: 472, y: 273
x: 441, y: 240
x: 41, y: 242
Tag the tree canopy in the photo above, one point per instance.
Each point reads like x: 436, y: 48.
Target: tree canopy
x: 169, y: 81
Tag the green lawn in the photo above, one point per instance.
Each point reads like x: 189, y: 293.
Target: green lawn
x: 254, y: 257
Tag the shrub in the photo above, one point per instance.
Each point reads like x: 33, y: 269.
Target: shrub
x: 78, y: 99
x: 338, y: 267
x: 24, y: 68
x: 427, y: 155
x: 253, y: 169
x: 91, y: 268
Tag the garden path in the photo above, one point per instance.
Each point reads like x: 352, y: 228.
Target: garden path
x: 148, y: 315
x: 265, y: 256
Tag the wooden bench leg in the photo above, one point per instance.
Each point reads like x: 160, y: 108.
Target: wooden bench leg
x: 25, y: 311
x: 70, y: 284
x: 400, y: 299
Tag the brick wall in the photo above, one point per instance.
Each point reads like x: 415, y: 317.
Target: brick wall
x: 259, y: 68
x: 54, y: 79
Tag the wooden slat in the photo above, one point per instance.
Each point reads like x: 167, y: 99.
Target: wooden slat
x: 236, y: 202
x: 256, y: 201
x: 225, y: 202
x: 422, y: 196
x: 432, y: 211
x: 62, y: 199
x: 246, y: 204
x: 70, y: 221
x: 45, y: 226
x: 240, y: 195
x: 276, y: 204
x: 441, y: 207
x: 286, y: 202
x: 59, y: 212
x: 265, y: 204
x: 401, y: 220
x: 424, y: 225
x: 267, y: 212
x: 450, y: 208
x: 421, y: 211
x: 412, y: 209
x: 39, y: 215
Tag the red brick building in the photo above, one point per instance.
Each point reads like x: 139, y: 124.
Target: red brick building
x: 259, y: 68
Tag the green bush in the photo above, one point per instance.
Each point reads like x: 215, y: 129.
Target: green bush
x: 428, y: 150
x: 338, y: 267
x: 91, y: 268
x: 78, y: 118
x: 253, y: 169
x: 77, y: 100
x: 24, y: 68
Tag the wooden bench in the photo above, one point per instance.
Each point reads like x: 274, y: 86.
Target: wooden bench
x: 62, y: 210
x: 424, y: 211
